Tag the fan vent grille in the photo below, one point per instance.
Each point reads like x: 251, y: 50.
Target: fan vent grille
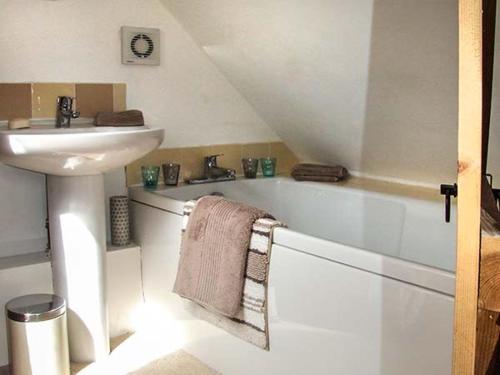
x: 140, y: 46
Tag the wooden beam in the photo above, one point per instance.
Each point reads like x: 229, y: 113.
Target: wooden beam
x: 487, y: 358
x: 469, y: 185
x: 488, y: 345
x: 489, y: 276
x: 488, y: 322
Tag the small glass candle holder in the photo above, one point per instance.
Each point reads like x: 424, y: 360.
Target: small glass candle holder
x: 250, y: 167
x: 171, y: 173
x: 268, y: 166
x: 150, y: 174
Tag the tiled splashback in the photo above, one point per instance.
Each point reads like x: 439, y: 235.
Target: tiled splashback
x: 38, y: 100
x: 191, y: 158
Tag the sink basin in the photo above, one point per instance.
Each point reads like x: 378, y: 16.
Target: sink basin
x: 78, y: 151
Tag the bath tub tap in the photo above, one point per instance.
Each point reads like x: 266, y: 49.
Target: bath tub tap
x: 213, y: 173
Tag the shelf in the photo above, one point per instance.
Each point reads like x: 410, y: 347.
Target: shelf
x: 38, y: 257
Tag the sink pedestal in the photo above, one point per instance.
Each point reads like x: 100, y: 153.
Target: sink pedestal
x: 78, y: 245
x: 73, y: 160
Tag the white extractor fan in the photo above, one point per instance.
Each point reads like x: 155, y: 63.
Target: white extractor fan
x: 140, y: 46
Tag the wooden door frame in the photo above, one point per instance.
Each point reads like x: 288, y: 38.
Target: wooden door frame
x: 469, y: 185
x: 476, y: 331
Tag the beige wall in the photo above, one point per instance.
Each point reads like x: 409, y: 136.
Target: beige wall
x: 371, y: 84
x: 79, y: 41
x: 494, y: 147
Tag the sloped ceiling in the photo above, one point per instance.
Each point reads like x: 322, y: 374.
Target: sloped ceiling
x: 368, y: 84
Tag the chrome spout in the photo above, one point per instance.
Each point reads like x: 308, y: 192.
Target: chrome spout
x: 213, y: 173
x: 65, y: 111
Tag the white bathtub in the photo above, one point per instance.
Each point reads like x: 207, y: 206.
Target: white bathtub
x: 361, y: 282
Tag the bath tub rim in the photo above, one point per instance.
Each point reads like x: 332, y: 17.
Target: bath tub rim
x: 420, y: 275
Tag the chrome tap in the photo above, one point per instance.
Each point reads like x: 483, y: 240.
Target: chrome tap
x: 65, y: 111
x: 213, y: 173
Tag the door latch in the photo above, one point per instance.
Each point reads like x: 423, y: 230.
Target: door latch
x: 448, y: 191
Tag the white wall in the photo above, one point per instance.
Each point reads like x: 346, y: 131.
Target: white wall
x: 19, y: 281
x: 123, y: 281
x: 79, y: 41
x: 22, y: 211
x: 371, y: 84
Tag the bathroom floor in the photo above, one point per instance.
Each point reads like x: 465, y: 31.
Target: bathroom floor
x: 128, y: 357
x: 121, y: 361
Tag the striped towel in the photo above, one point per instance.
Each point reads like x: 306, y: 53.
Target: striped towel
x: 251, y: 322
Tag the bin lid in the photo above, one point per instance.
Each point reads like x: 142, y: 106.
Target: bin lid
x: 35, y: 307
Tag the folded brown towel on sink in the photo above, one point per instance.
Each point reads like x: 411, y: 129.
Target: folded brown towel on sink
x: 319, y: 173
x: 214, y: 252
x: 125, y: 118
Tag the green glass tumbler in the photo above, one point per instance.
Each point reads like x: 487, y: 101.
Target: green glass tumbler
x: 268, y: 166
x: 150, y: 174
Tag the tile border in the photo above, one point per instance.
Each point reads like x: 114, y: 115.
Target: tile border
x: 41, y: 102
x: 191, y: 158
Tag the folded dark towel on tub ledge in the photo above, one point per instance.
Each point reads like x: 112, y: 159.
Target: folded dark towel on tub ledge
x: 227, y: 282
x: 319, y: 173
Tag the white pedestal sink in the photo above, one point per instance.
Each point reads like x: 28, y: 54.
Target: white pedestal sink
x: 74, y: 160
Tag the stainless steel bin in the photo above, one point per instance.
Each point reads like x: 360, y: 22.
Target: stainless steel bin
x: 37, y: 335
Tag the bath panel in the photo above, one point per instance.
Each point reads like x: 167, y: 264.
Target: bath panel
x: 330, y: 304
